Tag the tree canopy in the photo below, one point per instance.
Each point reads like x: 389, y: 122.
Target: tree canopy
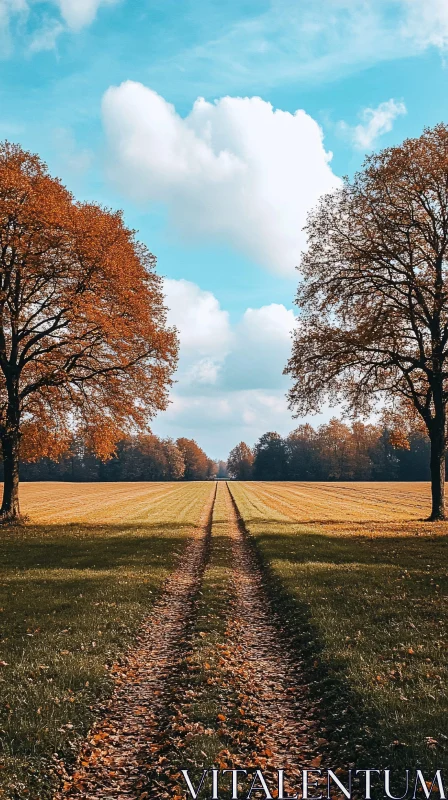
x: 240, y: 461
x: 337, y: 451
x: 373, y: 295
x: 83, y: 336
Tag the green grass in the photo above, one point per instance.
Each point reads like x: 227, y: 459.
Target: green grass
x: 368, y: 613
x: 71, y: 599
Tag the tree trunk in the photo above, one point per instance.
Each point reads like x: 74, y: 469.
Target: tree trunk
x: 438, y: 451
x: 10, y: 509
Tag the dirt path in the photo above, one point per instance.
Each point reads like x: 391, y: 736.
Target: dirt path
x: 271, y: 686
x: 248, y: 672
x: 109, y: 765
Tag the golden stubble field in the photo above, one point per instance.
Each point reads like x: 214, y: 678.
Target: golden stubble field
x: 330, y: 504
x: 360, y: 508
x: 47, y: 503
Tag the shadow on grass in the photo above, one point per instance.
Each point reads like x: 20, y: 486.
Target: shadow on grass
x: 72, y: 598
x: 99, y: 547
x: 375, y: 600
x: 356, y: 525
x: 401, y: 551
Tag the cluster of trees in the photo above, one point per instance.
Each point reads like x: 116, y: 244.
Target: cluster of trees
x: 333, y: 452
x: 138, y: 458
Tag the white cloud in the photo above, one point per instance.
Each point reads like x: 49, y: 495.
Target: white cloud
x: 262, y: 348
x: 8, y: 10
x: 44, y: 29
x: 79, y: 13
x: 205, y: 371
x: 235, y: 170
x: 229, y: 383
x: 203, y: 325
x: 8, y: 7
x: 375, y: 122
x: 426, y: 23
x: 272, y: 323
x: 204, y: 332
x: 46, y: 36
x: 227, y: 417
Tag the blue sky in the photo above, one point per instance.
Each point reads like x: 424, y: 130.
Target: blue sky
x: 294, y: 94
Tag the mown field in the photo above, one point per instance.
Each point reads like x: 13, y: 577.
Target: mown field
x: 360, y: 582
x: 357, y: 578
x: 74, y: 584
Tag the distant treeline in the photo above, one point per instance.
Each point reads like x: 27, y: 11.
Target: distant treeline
x: 333, y: 452
x: 139, y: 458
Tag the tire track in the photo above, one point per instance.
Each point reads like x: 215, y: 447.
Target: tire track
x: 114, y: 759
x: 272, y: 688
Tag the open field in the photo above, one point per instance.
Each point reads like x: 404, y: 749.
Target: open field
x: 74, y: 585
x: 361, y: 582
x: 369, y: 507
x: 358, y: 584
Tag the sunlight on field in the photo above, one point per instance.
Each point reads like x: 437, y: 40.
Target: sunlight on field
x: 108, y: 503
x: 365, y: 508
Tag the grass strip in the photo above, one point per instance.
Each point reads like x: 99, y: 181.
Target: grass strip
x: 367, y: 613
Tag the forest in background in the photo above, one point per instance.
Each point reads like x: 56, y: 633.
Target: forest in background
x: 140, y: 458
x: 334, y: 452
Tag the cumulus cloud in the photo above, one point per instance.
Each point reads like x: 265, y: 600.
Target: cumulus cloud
x: 375, y: 122
x: 204, y: 332
x: 229, y: 385
x: 237, y: 170
x: 203, y: 325
x: 262, y: 347
x: 220, y: 422
x: 79, y: 13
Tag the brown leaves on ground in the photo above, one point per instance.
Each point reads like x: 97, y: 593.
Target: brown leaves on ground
x: 208, y: 683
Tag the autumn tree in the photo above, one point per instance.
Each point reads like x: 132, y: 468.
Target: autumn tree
x: 240, y: 461
x: 198, y: 467
x: 147, y: 458
x: 373, y: 296
x: 83, y: 336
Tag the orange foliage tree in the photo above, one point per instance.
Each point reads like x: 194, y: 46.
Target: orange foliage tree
x: 240, y: 462
x: 374, y: 294
x: 198, y: 466
x: 83, y: 337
